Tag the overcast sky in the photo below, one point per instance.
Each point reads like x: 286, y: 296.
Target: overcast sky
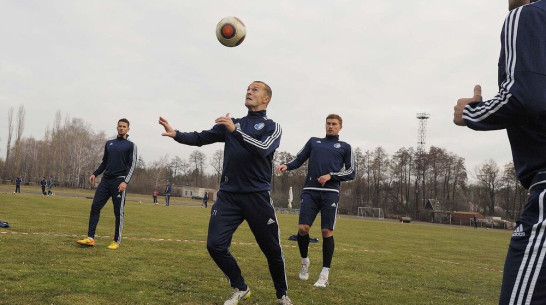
x: 375, y: 63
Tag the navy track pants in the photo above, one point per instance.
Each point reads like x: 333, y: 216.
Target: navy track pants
x: 524, y: 277
x: 108, y: 188
x: 227, y: 213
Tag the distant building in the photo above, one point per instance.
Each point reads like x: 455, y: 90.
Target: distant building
x: 466, y: 218
x: 193, y: 192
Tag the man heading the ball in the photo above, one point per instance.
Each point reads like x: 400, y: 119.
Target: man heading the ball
x: 250, y: 143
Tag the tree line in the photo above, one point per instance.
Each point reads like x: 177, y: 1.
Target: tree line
x: 400, y: 183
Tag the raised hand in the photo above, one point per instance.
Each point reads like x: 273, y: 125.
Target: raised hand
x: 462, y: 102
x: 226, y: 121
x: 169, y: 131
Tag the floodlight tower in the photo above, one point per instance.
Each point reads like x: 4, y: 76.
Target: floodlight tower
x: 422, y: 133
x: 420, y: 162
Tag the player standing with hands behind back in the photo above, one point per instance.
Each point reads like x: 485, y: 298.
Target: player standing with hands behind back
x: 250, y: 143
x: 520, y: 108
x: 330, y: 162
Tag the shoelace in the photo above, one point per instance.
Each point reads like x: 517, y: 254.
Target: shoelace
x: 322, y: 279
x: 234, y: 293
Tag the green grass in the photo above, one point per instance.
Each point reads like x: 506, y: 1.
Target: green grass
x: 376, y: 262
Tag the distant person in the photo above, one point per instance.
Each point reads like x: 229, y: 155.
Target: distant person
x: 520, y: 108
x: 155, y: 193
x: 331, y: 161
x: 49, y: 185
x: 205, y: 199
x: 249, y: 145
x: 43, y: 183
x: 118, y: 165
x: 475, y: 222
x: 18, y: 182
x: 168, y: 190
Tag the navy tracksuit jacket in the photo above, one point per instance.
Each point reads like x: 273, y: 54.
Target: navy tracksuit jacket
x: 520, y: 108
x: 244, y: 193
x: 326, y: 155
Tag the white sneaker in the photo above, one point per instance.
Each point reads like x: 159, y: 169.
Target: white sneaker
x: 322, y: 281
x: 285, y: 300
x: 304, y: 271
x: 237, y: 295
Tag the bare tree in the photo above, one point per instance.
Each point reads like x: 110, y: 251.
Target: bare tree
x: 158, y: 171
x: 401, y: 167
x: 436, y: 160
x: 379, y: 171
x: 217, y: 162
x: 180, y: 171
x: 197, y: 160
x: 513, y: 193
x: 458, y: 181
x: 82, y: 152
x: 18, y: 136
x: 489, y: 176
x: 7, y: 169
x: 355, y: 188
x: 20, y: 122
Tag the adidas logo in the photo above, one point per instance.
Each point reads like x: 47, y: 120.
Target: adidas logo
x: 270, y: 221
x: 333, y: 205
x: 518, y: 232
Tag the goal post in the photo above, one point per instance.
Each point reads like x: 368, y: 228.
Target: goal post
x: 371, y: 212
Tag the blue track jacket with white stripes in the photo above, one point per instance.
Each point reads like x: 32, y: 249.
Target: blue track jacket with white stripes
x: 520, y: 104
x: 119, y: 159
x: 248, y: 151
x: 326, y: 156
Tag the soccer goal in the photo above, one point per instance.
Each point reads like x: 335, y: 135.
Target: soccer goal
x: 371, y: 212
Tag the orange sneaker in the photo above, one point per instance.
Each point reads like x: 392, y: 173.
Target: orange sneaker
x: 113, y: 245
x: 88, y: 241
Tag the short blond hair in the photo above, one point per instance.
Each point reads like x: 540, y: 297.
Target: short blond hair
x: 336, y: 117
x: 268, y: 90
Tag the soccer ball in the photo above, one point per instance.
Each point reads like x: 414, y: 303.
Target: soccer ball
x: 230, y: 31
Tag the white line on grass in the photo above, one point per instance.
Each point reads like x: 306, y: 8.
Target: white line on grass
x: 240, y: 244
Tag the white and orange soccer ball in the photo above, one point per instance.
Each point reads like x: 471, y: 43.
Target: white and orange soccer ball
x: 231, y: 31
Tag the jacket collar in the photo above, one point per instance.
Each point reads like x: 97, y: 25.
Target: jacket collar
x: 261, y: 113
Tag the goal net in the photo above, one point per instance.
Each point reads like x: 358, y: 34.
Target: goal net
x: 371, y: 212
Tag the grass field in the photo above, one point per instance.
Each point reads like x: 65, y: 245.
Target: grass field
x: 163, y: 257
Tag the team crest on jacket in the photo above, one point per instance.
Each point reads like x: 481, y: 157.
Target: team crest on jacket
x: 337, y: 145
x: 259, y: 126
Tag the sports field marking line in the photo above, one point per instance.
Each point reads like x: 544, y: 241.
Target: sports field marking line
x: 443, y: 261
x: 175, y: 240
x: 241, y: 244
